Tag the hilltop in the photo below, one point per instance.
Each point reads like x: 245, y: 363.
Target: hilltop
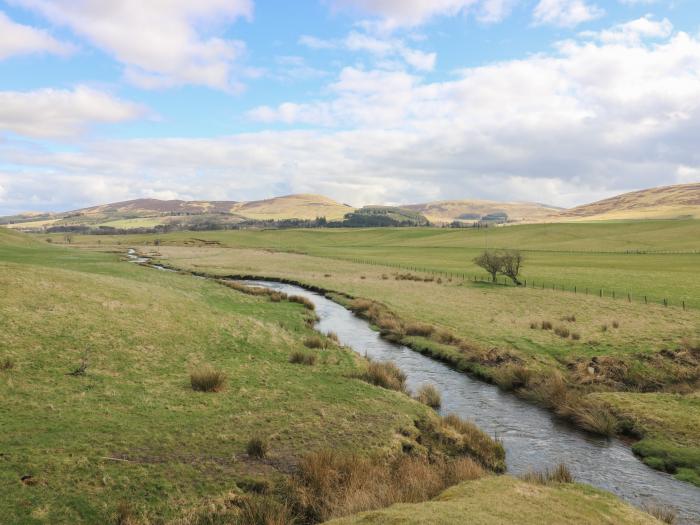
x: 469, y: 210
x: 681, y: 201
x: 302, y: 210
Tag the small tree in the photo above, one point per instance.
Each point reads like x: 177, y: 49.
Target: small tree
x: 511, y: 263
x: 491, y: 262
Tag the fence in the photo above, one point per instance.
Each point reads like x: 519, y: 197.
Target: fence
x: 481, y: 278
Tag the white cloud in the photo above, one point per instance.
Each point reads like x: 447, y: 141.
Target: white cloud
x: 634, y: 31
x: 565, y: 13
x: 382, y: 48
x: 591, y: 119
x: 160, y: 42
x: 61, y: 113
x: 19, y: 39
x: 393, y: 14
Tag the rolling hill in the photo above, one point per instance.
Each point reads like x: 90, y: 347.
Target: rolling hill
x: 681, y: 201
x: 471, y: 210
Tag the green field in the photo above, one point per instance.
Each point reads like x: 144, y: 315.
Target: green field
x: 632, y: 346
x: 653, y: 259
x: 132, y: 429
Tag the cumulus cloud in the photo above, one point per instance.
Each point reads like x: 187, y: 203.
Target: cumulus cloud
x: 19, y: 39
x: 590, y: 119
x: 565, y: 13
x: 382, y: 48
x: 160, y: 42
x: 392, y: 14
x: 634, y: 31
x: 61, y: 113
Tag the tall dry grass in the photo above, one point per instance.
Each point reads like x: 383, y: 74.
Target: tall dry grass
x: 207, y: 379
x: 429, y: 395
x: 558, y: 474
x: 386, y: 375
x: 330, y: 484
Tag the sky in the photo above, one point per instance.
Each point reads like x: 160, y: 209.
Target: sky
x: 366, y: 101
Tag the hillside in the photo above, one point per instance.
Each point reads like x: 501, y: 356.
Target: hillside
x: 301, y: 206
x: 471, y: 210
x: 667, y: 202
x: 149, y: 213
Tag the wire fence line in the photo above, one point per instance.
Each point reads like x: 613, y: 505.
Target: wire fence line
x: 601, y: 292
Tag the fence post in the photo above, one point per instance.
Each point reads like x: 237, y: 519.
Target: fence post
x: 574, y: 289
x: 645, y: 299
x: 629, y: 299
x: 601, y: 292
x: 613, y: 294
x: 683, y: 305
x: 665, y: 302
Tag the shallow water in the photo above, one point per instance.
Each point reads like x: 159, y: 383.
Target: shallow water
x: 533, y: 438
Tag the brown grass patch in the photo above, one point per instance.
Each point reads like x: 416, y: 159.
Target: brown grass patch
x: 307, y: 303
x: 302, y: 358
x: 207, y: 379
x: 386, y: 375
x: 559, y: 474
x: 661, y: 513
x: 7, y: 364
x: 257, y: 447
x: 330, y: 484
x: 429, y: 395
x: 419, y: 329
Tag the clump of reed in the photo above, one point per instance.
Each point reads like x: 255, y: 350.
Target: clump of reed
x: 330, y: 484
x: 466, y: 439
x: 661, y: 513
x: 315, y: 341
x: 429, y: 395
x: 512, y: 376
x: 6, y: 364
x: 302, y: 358
x: 205, y: 378
x: 558, y: 474
x: 257, y: 447
x: 419, y: 329
x: 386, y: 375
x: 307, y: 303
x: 562, y: 332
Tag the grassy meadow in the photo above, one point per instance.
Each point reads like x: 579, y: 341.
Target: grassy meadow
x: 131, y: 428
x: 622, y: 351
x: 656, y: 259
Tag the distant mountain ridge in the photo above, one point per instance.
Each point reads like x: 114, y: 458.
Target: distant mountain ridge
x: 668, y: 202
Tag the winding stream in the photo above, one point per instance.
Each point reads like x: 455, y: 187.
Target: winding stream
x: 533, y: 438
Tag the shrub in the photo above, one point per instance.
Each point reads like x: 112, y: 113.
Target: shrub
x: 559, y: 474
x: 386, y: 375
x: 429, y: 395
x: 616, y: 324
x: 7, y: 364
x: 307, y: 303
x: 302, y: 358
x: 207, y: 379
x: 562, y: 331
x: 257, y: 447
x: 546, y: 325
x: 661, y: 513
x: 315, y: 341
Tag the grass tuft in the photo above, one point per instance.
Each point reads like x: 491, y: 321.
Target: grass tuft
x: 661, y: 513
x: 302, y: 358
x: 559, y: 474
x: 7, y: 364
x: 315, y: 341
x: 207, y: 379
x: 386, y: 375
x: 546, y: 325
x: 562, y: 332
x: 429, y: 395
x: 257, y: 447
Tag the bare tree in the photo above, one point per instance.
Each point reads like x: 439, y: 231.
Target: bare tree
x: 511, y: 263
x: 491, y: 262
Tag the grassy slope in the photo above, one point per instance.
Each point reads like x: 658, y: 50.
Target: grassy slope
x: 557, y: 254
x: 492, y: 501
x: 144, y: 330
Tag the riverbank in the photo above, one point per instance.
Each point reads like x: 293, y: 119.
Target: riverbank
x: 487, y: 331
